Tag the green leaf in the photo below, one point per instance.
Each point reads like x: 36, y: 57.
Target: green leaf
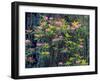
x: 68, y: 63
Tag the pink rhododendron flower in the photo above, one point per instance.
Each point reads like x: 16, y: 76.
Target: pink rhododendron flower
x: 46, y: 17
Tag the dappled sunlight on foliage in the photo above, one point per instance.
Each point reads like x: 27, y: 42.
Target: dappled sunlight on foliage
x: 54, y: 40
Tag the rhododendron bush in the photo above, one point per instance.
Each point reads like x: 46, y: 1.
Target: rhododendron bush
x: 53, y: 40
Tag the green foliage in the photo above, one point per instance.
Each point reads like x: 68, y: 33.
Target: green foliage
x: 68, y: 63
x: 27, y: 53
x: 45, y: 53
